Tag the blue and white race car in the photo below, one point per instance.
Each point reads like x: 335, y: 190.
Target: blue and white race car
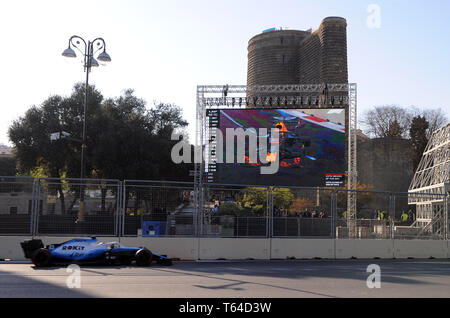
x: 89, y: 251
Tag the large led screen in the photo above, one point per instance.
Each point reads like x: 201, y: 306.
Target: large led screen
x: 311, y: 146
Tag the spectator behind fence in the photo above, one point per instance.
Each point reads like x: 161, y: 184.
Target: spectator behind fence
x: 375, y: 214
x: 186, y: 196
x: 404, y: 217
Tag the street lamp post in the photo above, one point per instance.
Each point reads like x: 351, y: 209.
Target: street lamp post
x: 89, y: 61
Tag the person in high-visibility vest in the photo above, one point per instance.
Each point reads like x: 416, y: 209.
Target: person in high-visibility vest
x: 344, y: 215
x: 404, y: 217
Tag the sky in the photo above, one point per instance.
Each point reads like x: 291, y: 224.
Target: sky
x: 398, y: 51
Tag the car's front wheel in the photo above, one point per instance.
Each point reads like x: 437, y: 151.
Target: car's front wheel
x: 144, y: 257
x: 41, y: 257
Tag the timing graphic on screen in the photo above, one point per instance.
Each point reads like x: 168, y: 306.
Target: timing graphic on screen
x: 311, y: 144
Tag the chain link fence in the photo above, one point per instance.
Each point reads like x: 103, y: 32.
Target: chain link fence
x: 17, y: 205
x: 153, y: 208
x: 235, y: 211
x: 372, y: 218
x: 302, y: 212
x: 74, y: 207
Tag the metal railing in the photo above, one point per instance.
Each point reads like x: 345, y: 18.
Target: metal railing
x: 59, y: 211
x: 51, y: 206
x: 158, y: 208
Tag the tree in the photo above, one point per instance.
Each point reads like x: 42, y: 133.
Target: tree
x: 395, y: 121
x: 435, y: 118
x: 394, y: 130
x: 129, y: 133
x: 230, y: 208
x: 31, y: 136
x: 254, y: 199
x: 122, y: 144
x: 165, y: 118
x: 419, y: 138
x: 380, y: 120
x: 363, y: 197
x: 282, y: 199
x: 300, y: 205
x: 125, y: 140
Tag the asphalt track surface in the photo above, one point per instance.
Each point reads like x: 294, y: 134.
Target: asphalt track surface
x: 227, y: 279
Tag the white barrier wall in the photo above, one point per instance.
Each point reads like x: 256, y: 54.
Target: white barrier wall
x: 421, y: 249
x: 10, y: 247
x: 283, y: 248
x: 186, y: 248
x: 232, y: 248
x: 364, y: 248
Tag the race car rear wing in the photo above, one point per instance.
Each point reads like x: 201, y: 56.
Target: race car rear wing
x: 30, y: 246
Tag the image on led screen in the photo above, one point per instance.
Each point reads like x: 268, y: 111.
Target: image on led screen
x: 311, y: 145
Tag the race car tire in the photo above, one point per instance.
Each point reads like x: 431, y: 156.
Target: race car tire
x: 144, y: 257
x: 41, y: 257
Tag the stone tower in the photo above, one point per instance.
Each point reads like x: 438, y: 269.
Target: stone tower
x: 300, y: 57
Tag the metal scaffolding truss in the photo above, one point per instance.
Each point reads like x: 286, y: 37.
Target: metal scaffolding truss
x: 433, y: 170
x: 431, y: 184
x: 352, y: 175
x: 308, y: 96
x: 282, y: 96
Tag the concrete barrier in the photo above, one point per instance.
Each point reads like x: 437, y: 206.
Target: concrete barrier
x: 283, y: 248
x: 187, y: 248
x: 10, y: 247
x: 364, y: 248
x: 421, y: 249
x: 231, y: 248
x: 182, y: 248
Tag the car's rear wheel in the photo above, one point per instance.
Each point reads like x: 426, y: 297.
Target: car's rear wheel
x: 41, y: 257
x: 144, y: 257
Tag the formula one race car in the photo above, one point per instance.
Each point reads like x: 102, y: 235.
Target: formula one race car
x: 89, y: 251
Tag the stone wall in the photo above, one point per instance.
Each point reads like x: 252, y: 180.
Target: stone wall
x: 385, y: 163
